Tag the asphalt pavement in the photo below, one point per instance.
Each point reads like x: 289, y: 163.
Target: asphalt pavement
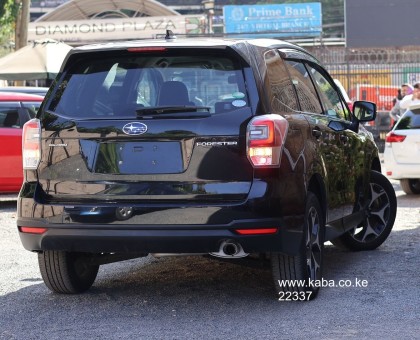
x: 202, y: 298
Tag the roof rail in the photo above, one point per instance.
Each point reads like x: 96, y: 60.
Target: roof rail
x: 169, y: 35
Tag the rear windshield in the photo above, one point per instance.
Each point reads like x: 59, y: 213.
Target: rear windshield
x: 116, y: 86
x: 410, y: 120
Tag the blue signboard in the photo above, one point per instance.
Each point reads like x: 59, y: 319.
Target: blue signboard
x: 282, y: 20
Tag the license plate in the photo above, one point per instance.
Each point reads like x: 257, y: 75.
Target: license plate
x: 131, y: 158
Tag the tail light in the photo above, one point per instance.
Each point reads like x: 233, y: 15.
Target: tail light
x: 31, y: 144
x: 32, y: 230
x: 263, y: 231
x: 265, y: 139
x: 392, y: 137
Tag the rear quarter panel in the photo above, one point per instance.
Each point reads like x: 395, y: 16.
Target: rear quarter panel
x: 11, y: 173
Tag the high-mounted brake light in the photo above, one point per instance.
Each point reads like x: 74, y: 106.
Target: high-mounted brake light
x: 265, y: 139
x: 31, y: 144
x: 146, y: 49
x: 392, y: 137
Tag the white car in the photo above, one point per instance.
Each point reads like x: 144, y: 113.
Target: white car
x: 402, y: 151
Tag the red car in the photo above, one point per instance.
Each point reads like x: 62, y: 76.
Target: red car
x: 15, y: 110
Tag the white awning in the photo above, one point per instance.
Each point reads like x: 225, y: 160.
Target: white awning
x: 91, y: 9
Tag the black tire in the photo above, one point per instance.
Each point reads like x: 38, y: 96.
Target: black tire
x: 381, y: 209
x: 411, y: 186
x: 65, y: 272
x: 307, y: 265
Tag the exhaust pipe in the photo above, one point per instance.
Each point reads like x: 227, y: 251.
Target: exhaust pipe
x: 230, y: 249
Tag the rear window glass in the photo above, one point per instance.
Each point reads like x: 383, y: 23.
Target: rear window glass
x: 410, y: 120
x: 9, y: 114
x: 32, y: 107
x: 9, y: 117
x: 119, y: 85
x: 283, y: 95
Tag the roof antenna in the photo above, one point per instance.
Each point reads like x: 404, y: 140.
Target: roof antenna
x: 169, y: 35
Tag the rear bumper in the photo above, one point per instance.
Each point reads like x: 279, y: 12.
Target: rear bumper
x: 159, y: 239
x: 166, y: 227
x: 396, y: 170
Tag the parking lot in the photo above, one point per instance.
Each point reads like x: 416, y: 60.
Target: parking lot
x: 202, y: 298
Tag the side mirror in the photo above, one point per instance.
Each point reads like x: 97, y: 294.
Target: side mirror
x: 364, y: 111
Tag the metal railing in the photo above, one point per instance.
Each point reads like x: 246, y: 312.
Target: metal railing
x: 372, y: 74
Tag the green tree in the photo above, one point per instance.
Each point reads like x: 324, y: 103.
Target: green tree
x: 8, y: 13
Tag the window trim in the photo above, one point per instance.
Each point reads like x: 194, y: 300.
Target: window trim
x: 308, y: 60
x: 327, y: 76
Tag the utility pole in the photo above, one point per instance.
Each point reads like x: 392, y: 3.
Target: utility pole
x: 21, y: 29
x: 22, y: 20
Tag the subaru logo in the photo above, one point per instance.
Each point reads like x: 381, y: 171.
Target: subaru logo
x: 134, y: 128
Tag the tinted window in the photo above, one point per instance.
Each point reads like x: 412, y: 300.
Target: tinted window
x: 117, y: 86
x: 9, y: 115
x: 306, y: 92
x: 283, y: 95
x: 9, y: 118
x: 330, y: 98
x: 410, y: 120
x: 32, y: 107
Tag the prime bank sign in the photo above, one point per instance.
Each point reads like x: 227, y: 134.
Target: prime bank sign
x: 116, y: 29
x: 280, y: 20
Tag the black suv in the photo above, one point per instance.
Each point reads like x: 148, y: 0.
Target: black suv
x: 232, y: 148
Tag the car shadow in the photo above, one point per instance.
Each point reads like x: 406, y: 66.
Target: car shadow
x: 408, y: 201
x: 152, y: 296
x: 8, y: 206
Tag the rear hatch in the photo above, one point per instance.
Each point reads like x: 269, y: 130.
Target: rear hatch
x: 147, y: 126
x: 408, y: 150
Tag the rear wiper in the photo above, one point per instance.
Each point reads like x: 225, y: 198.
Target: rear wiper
x: 157, y: 110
